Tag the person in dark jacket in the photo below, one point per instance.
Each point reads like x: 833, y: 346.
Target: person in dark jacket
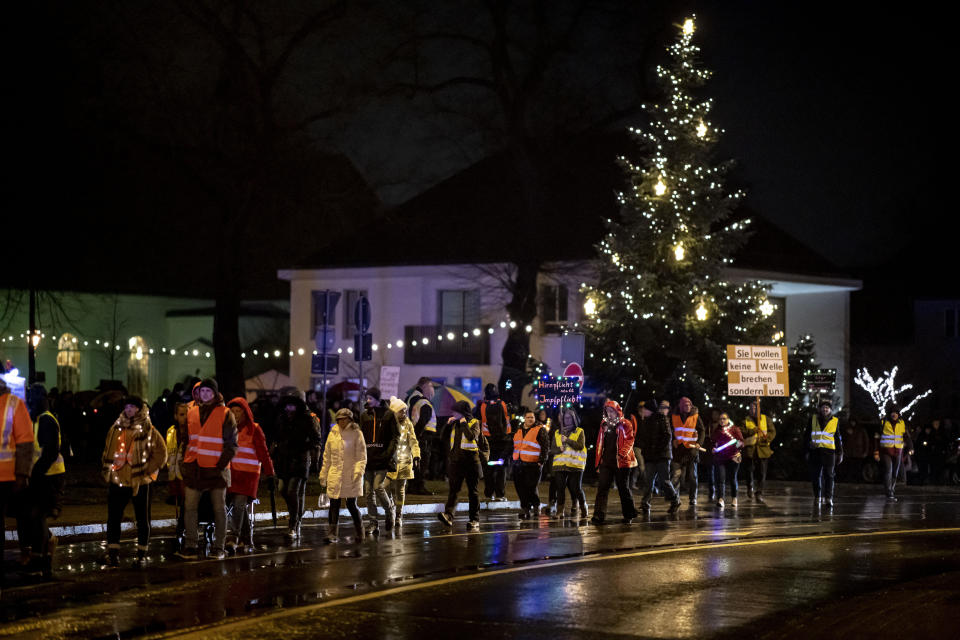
x: 467, y: 445
x: 296, y: 446
x: 206, y: 466
x: 531, y: 444
x: 381, y: 432
x: 688, y: 435
x: 495, y: 425
x: 656, y: 445
x: 727, y: 445
x: 823, y: 445
x: 47, y: 481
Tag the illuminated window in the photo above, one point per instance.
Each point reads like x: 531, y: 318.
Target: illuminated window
x: 68, y: 363
x: 138, y: 367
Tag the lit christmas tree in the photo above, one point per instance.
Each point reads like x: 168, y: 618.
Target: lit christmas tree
x: 661, y: 312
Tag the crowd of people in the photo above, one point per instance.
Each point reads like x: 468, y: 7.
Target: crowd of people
x: 215, y: 453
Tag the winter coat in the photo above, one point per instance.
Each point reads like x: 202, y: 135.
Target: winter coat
x: 297, y: 440
x: 466, y: 430
x: 408, y: 449
x: 380, y: 432
x: 655, y: 438
x: 247, y: 482
x: 626, y: 458
x: 344, y: 461
x: 134, y: 453
x: 726, y: 443
x: 761, y: 448
x: 217, y: 477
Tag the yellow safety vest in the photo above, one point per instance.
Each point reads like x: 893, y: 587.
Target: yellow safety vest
x: 569, y: 457
x: 823, y: 439
x: 415, y: 415
x: 750, y: 424
x: 58, y: 466
x: 892, y: 435
x: 468, y: 445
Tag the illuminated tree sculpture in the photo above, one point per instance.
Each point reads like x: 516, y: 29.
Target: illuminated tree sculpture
x: 661, y: 312
x: 883, y: 391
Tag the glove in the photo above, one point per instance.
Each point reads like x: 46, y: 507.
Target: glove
x: 416, y: 464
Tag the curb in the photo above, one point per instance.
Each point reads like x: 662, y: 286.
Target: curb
x: 410, y: 509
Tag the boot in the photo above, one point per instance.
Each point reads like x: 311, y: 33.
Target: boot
x: 584, y: 512
x: 758, y: 497
x: 332, y: 537
x: 112, y: 559
x: 360, y: 533
x: 398, y: 517
x: 141, y: 560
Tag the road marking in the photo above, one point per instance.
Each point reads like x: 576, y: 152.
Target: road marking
x: 201, y: 632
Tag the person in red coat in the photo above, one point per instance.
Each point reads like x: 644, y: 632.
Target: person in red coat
x: 245, y: 469
x: 614, y: 458
x: 727, y: 442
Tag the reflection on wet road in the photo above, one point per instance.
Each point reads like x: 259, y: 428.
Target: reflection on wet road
x: 700, y: 572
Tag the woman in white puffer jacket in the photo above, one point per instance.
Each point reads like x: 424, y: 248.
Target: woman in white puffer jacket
x: 408, y: 457
x: 341, y: 477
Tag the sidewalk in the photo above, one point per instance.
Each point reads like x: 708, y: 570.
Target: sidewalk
x: 85, y: 511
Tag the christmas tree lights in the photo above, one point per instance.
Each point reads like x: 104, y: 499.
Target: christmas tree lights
x: 661, y: 310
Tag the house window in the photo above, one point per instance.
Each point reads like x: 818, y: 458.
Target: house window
x: 68, y: 363
x: 138, y: 367
x: 458, y: 308
x: 350, y: 297
x: 553, y: 303
x: 950, y: 323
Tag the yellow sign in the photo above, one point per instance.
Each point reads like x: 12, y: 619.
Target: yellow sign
x: 757, y: 371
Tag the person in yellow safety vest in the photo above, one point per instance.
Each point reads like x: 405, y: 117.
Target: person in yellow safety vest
x: 495, y: 424
x: 132, y: 458
x: 757, y: 451
x: 688, y: 435
x: 893, y: 438
x: 47, y: 481
x: 425, y: 428
x: 467, y: 447
x: 531, y: 445
x: 16, y: 453
x: 824, y: 452
x: 177, y: 437
x: 569, y: 461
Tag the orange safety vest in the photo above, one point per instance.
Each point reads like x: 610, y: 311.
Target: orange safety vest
x: 15, y: 428
x: 206, y: 441
x: 246, y: 458
x: 685, y: 432
x: 525, y: 447
x: 483, y: 418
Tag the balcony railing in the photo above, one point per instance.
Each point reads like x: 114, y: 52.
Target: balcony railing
x: 432, y: 344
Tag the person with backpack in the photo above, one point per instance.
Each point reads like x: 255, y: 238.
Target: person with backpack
x: 495, y: 426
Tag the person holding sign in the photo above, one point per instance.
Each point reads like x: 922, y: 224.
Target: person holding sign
x: 569, y: 461
x: 727, y: 442
x: 758, y: 434
x: 688, y: 434
x: 824, y: 448
x: 889, y: 450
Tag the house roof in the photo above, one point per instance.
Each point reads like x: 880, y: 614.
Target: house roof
x: 472, y: 216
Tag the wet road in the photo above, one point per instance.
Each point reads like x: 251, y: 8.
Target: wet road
x: 778, y: 570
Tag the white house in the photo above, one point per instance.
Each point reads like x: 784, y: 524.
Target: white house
x: 448, y: 321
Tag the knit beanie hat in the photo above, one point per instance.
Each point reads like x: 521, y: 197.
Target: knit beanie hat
x: 210, y: 383
x: 397, y: 405
x: 463, y: 408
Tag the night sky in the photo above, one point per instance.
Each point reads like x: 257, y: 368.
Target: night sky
x: 838, y: 119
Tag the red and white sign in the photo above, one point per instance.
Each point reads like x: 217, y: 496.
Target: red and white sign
x: 574, y: 370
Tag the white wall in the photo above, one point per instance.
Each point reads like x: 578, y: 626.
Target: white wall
x: 825, y: 317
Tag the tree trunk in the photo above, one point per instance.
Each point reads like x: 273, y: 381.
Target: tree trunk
x: 226, y: 343
x: 31, y: 350
x: 516, y: 350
